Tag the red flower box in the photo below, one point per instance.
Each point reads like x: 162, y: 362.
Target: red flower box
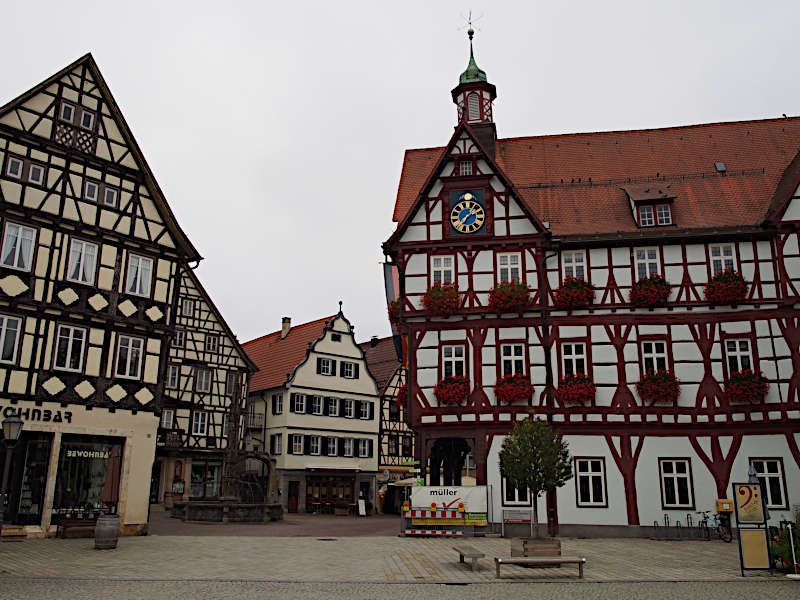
x: 452, y: 390
x: 746, y: 387
x: 512, y: 389
x: 402, y: 395
x: 650, y: 291
x: 574, y: 293
x: 510, y: 297
x: 442, y: 299
x: 727, y: 287
x: 394, y: 311
x: 576, y: 389
x: 658, y: 387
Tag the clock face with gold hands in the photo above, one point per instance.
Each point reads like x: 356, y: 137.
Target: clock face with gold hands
x: 467, y: 215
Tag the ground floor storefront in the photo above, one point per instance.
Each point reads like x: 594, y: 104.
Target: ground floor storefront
x: 71, y: 465
x: 185, y: 475
x: 320, y: 490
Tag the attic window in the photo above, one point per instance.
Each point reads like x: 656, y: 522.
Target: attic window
x: 465, y: 167
x: 653, y: 215
x: 336, y: 337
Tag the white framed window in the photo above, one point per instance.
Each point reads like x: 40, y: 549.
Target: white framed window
x: 392, y: 447
x: 722, y: 258
x: 512, y: 358
x: 348, y: 370
x: 465, y: 167
x: 333, y: 407
x: 348, y: 408
x: 509, y: 266
x: 110, y: 196
x: 317, y: 404
x: 129, y: 356
x: 363, y: 448
x: 140, y: 272
x: 770, y: 473
x: 180, y: 338
x: 10, y: 328
x: 276, y: 443
x: 167, y: 416
x: 82, y: 261
x: 654, y: 355
x: 646, y: 218
x: 211, y: 342
x: 14, y: 167
x: 90, y: 190
x: 646, y: 262
x: 315, y: 444
x: 573, y: 357
x: 676, y: 483
x: 333, y: 450
x: 453, y: 360
x: 277, y: 404
x: 348, y: 446
x: 230, y: 383
x: 87, y: 119
x: 664, y: 214
x: 173, y: 372
x: 738, y: 354
x: 590, y: 481
x: 203, y: 381
x: 326, y: 366
x: 36, y: 174
x: 69, y: 348
x: 187, y: 307
x: 297, y: 443
x: 18, y: 246
x: 299, y: 403
x: 226, y: 425
x: 573, y: 264
x: 199, y: 423
x: 67, y: 113
x: 364, y: 409
x: 514, y: 495
x: 442, y: 269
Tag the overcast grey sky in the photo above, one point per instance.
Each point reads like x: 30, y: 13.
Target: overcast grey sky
x: 277, y: 129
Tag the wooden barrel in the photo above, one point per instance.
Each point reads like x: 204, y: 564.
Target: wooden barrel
x: 106, y: 532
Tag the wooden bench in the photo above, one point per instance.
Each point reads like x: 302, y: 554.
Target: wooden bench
x: 465, y: 551
x: 540, y: 561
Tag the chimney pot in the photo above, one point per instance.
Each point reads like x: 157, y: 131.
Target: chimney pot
x: 286, y: 325
x: 373, y: 341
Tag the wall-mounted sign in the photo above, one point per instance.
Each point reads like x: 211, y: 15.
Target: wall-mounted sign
x: 45, y: 415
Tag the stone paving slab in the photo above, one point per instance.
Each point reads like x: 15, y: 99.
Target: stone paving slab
x: 373, y: 559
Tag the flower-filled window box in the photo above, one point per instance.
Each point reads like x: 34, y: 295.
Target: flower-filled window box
x: 574, y: 293
x: 513, y: 389
x: 726, y: 287
x: 442, y: 299
x: 650, y: 291
x: 576, y: 389
x: 746, y: 387
x: 393, y: 309
x: 402, y: 395
x: 514, y: 296
x: 452, y: 390
x: 658, y: 387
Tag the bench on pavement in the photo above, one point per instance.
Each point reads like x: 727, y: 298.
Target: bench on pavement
x: 466, y: 551
x: 540, y: 561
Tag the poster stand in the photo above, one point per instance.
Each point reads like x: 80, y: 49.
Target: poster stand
x: 754, y: 551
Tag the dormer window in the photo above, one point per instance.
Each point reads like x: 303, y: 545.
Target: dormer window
x: 646, y: 216
x: 663, y: 214
x: 465, y: 167
x: 651, y: 204
x: 655, y: 215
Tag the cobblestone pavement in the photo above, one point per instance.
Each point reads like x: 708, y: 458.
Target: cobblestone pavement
x: 26, y: 589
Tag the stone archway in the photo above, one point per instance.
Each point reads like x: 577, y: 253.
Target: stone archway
x: 446, y: 461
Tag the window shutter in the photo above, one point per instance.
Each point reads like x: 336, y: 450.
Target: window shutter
x: 272, y: 445
x: 291, y: 402
x: 326, y: 406
x: 306, y: 444
x: 290, y: 444
x: 371, y: 411
x: 340, y: 446
x: 274, y: 406
x: 355, y: 370
x: 357, y: 409
x: 369, y: 448
x: 333, y: 367
x: 309, y: 405
x: 319, y: 365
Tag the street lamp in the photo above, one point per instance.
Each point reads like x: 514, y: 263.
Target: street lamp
x: 12, y: 427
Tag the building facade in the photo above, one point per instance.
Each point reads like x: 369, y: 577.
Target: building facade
x: 611, y: 209
x: 89, y: 270
x: 313, y: 407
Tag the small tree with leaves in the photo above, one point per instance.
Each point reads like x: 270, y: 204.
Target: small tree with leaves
x: 536, y: 457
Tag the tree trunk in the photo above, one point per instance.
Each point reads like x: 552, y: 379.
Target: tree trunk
x: 535, y: 498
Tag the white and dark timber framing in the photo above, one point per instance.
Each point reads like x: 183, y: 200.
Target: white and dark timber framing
x: 682, y: 202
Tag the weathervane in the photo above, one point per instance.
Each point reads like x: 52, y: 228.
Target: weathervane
x: 469, y: 22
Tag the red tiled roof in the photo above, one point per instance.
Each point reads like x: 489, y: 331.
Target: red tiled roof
x: 381, y: 360
x: 575, y: 181
x: 275, y: 357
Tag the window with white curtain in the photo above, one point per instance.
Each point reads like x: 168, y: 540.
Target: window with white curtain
x: 140, y: 272
x: 82, y: 261
x: 17, y: 250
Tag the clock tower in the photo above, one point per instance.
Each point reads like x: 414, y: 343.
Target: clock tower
x: 473, y: 97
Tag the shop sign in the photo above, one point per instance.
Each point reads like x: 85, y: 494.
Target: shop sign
x: 43, y: 415
x: 449, y: 497
x: 86, y: 453
x: 474, y: 518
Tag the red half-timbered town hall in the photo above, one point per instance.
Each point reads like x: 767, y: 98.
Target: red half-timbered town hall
x: 657, y: 319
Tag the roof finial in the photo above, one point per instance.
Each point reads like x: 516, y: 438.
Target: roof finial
x: 340, y: 306
x: 473, y: 72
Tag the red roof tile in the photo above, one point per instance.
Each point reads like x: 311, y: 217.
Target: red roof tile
x: 381, y: 360
x: 275, y: 357
x: 575, y: 181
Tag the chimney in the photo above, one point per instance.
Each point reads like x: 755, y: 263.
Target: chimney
x: 373, y: 341
x: 286, y: 325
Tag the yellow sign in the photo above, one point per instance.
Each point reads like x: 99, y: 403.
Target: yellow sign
x: 480, y: 519
x: 437, y: 522
x: 749, y: 507
x: 754, y: 549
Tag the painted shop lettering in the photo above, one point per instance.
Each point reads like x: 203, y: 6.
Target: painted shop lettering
x: 75, y: 453
x: 45, y: 415
x: 443, y: 492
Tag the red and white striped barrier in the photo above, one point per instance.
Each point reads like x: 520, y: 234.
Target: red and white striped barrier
x: 433, y: 514
x: 431, y: 532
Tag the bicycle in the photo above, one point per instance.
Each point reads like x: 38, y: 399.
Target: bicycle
x: 721, y: 522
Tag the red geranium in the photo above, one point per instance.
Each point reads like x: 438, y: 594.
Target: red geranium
x: 727, y: 287
x: 650, y: 291
x: 442, y: 299
x: 513, y: 389
x: 394, y: 311
x: 658, y: 387
x: 576, y: 389
x: 746, y: 387
x: 512, y: 296
x: 573, y: 293
x: 452, y: 390
x: 402, y: 394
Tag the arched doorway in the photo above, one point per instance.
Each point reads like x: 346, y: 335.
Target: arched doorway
x: 446, y: 461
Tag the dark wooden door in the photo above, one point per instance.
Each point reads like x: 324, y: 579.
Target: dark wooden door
x: 294, y: 494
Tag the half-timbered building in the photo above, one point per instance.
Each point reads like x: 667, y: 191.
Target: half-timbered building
x: 313, y: 408
x: 89, y: 262
x: 205, y: 388
x: 610, y: 208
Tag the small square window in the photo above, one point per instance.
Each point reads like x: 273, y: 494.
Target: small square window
x: 36, y: 174
x: 14, y: 168
x: 663, y: 214
x: 87, y: 119
x: 110, y: 196
x: 646, y: 216
x: 90, y: 189
x: 67, y: 112
x: 348, y: 370
x: 336, y: 337
x: 326, y: 366
x: 465, y: 167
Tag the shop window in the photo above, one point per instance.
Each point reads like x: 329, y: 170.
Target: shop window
x: 28, y: 462
x: 205, y: 479
x: 83, y: 471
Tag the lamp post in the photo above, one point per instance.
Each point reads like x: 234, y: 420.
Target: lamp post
x: 12, y: 427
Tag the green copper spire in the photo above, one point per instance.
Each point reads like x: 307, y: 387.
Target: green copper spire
x: 473, y: 74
